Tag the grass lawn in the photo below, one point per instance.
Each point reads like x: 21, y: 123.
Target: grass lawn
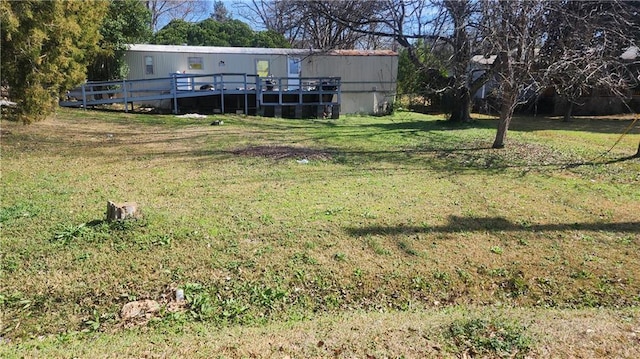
x: 359, y: 237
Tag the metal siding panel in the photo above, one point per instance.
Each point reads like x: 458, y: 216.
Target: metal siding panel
x: 380, y: 71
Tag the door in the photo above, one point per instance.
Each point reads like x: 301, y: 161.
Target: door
x: 294, y: 69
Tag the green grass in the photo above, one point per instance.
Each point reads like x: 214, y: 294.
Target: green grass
x: 389, y: 214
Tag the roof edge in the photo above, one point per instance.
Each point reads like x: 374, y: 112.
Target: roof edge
x: 255, y: 50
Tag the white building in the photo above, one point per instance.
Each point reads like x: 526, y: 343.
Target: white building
x: 368, y: 78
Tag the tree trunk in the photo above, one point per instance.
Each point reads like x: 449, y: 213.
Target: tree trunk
x: 460, y: 107
x: 568, y: 111
x: 506, y: 113
x: 637, y: 155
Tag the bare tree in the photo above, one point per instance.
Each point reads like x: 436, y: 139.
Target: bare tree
x: 446, y: 26
x: 163, y: 11
x: 582, y: 52
x: 572, y: 46
x: 513, y: 30
x: 305, y: 27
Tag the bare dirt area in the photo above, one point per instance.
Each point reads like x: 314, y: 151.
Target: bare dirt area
x: 283, y: 152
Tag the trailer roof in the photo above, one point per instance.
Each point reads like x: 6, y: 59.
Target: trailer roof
x: 255, y: 50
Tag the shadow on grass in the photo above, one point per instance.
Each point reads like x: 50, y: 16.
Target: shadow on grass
x: 609, y: 124
x: 609, y: 162
x: 494, y: 224
x: 430, y: 125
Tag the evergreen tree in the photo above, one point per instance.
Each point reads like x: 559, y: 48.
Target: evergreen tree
x: 46, y: 48
x: 210, y: 32
x: 220, y: 12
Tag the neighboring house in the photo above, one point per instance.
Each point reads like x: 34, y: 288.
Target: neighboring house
x: 368, y: 78
x: 546, y: 100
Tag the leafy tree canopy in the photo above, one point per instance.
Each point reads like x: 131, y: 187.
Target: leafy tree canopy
x: 46, y: 47
x: 211, y: 32
x: 126, y: 22
x: 270, y: 39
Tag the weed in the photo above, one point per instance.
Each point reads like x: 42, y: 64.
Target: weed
x: 266, y: 296
x: 369, y: 215
x: 200, y: 303
x: 516, y: 285
x: 9, y: 263
x: 442, y: 277
x: 497, y: 250
x: 19, y: 210
x: 304, y: 258
x: 65, y: 234
x: 405, y: 246
x: 626, y: 240
x: 300, y: 275
x: 498, y: 272
x: 377, y: 247
x: 358, y: 272
x: 464, y: 275
x: 489, y: 337
x: 93, y: 324
x: 333, y: 211
x: 15, y: 300
x: 162, y: 240
x: 232, y: 309
x: 581, y: 274
x: 340, y: 257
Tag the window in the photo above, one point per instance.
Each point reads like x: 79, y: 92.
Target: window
x: 262, y: 68
x: 195, y: 63
x: 148, y: 65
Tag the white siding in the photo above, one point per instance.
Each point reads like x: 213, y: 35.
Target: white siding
x: 375, y: 72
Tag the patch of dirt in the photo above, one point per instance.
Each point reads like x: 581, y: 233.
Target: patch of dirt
x: 284, y: 152
x: 518, y: 154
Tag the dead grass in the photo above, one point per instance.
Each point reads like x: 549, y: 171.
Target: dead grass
x: 402, y: 213
x: 559, y: 334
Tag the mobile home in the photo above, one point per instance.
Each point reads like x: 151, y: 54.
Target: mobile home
x: 367, y: 77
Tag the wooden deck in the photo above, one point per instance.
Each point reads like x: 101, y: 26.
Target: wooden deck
x: 217, y: 93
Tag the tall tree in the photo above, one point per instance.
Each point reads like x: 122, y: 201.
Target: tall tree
x: 126, y: 22
x: 176, y: 32
x: 438, y: 23
x: 572, y: 46
x: 583, y: 48
x: 305, y: 26
x: 210, y: 32
x: 513, y: 30
x: 164, y: 11
x: 46, y: 48
x: 220, y: 12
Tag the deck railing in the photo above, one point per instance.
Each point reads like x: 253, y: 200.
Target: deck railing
x: 268, y: 91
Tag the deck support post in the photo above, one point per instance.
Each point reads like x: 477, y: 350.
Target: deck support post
x: 174, y: 91
x: 335, y: 112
